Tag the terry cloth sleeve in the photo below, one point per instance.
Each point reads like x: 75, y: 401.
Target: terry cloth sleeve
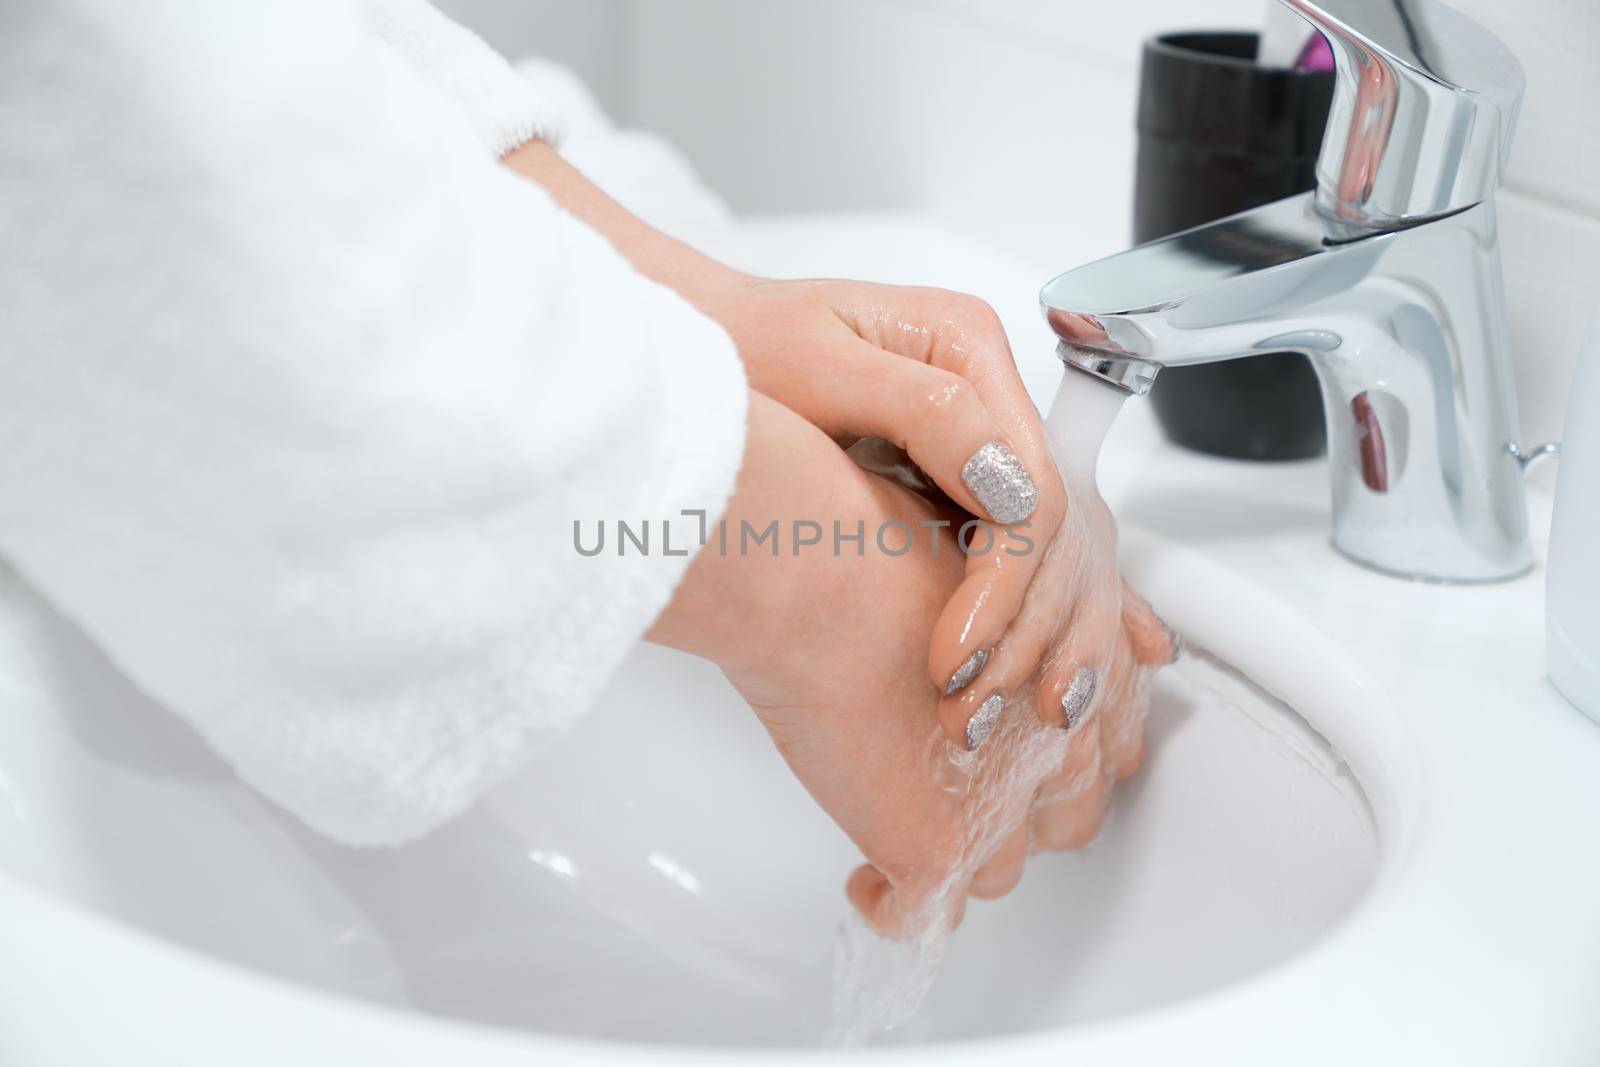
x: 301, y: 395
x: 503, y: 108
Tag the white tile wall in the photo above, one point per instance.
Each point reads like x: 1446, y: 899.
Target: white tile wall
x: 1011, y: 122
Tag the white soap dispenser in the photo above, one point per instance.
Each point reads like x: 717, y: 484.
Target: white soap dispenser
x: 1572, y: 582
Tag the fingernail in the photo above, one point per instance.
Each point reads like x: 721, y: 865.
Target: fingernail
x: 967, y: 672
x: 983, y: 720
x: 1000, y: 482
x: 1173, y: 639
x: 1076, y: 699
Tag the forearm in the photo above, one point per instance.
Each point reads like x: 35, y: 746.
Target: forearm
x: 692, y: 274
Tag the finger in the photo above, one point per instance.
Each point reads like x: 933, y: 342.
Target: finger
x: 1077, y: 674
x: 936, y: 418
x: 884, y: 908
x: 962, y: 335
x: 1003, y: 870
x: 1154, y: 643
x: 1000, y: 566
x: 1122, y: 712
x: 1084, y: 329
x: 1015, y: 658
x: 968, y: 718
x: 1130, y: 762
x: 1069, y: 692
x: 1143, y: 644
x: 935, y: 415
x: 1070, y: 806
x: 1072, y: 822
x: 959, y: 333
x: 871, y: 894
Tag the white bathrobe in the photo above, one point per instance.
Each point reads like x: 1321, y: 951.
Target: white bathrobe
x: 301, y: 392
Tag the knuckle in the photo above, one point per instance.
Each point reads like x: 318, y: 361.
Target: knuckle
x: 976, y: 312
x: 949, y: 396
x: 1051, y: 510
x: 968, y: 326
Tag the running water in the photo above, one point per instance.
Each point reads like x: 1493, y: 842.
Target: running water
x: 879, y: 984
x: 1079, y: 419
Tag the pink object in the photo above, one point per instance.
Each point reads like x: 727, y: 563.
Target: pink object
x: 1316, y: 55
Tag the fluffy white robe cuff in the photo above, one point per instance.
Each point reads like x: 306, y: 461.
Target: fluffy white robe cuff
x: 301, y: 394
x: 503, y: 109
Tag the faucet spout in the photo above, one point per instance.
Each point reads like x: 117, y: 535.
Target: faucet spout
x: 1387, y: 277
x: 1407, y: 331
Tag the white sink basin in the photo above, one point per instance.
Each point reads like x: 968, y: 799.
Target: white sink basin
x: 659, y: 876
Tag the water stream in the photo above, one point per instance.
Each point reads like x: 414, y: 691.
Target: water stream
x: 880, y: 984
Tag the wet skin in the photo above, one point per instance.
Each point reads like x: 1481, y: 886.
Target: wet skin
x: 847, y: 658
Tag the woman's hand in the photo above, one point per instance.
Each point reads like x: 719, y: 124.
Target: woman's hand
x: 837, y: 658
x: 930, y: 372
x: 828, y: 648
x: 927, y: 370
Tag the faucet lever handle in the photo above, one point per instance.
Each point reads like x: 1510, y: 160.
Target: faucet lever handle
x: 1423, y: 110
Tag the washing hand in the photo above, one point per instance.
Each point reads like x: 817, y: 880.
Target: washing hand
x: 828, y: 646
x: 928, y: 370
x: 871, y: 656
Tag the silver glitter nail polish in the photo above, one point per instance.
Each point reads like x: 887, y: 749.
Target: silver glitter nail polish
x: 983, y: 720
x: 967, y: 672
x: 1173, y: 638
x: 1001, y: 483
x: 1076, y: 699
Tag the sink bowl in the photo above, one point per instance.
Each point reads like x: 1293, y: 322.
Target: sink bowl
x: 659, y: 877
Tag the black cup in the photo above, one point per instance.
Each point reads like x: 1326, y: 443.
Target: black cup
x: 1219, y: 135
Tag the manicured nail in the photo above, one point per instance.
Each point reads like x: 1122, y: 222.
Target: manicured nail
x: 983, y: 720
x: 1075, y: 701
x: 1000, y: 482
x: 1173, y: 639
x: 967, y: 672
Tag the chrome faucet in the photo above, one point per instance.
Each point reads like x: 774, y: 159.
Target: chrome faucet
x: 1387, y: 276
